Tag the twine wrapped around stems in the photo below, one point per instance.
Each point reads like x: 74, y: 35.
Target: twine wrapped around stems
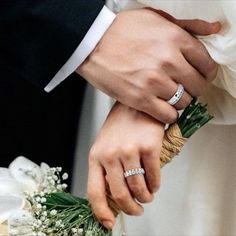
x: 173, y: 141
x: 172, y: 144
x: 4, y: 229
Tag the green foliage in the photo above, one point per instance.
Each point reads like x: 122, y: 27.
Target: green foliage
x: 193, y: 118
x: 75, y: 212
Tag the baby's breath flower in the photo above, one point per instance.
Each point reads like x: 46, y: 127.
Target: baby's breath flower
x: 48, y: 219
x: 65, y: 176
x: 53, y: 212
x: 43, y: 200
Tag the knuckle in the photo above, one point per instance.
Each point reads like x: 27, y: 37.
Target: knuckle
x: 171, y: 117
x: 148, y: 148
x: 151, y: 81
x: 121, y: 197
x: 167, y: 63
x: 92, y: 152
x: 109, y: 159
x: 129, y: 150
x: 139, y: 96
x: 176, y: 34
x: 151, y: 76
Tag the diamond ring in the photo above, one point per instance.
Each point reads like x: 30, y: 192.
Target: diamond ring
x: 177, y: 96
x: 135, y: 171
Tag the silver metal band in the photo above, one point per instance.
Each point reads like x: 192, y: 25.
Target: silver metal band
x: 135, y: 171
x: 177, y: 96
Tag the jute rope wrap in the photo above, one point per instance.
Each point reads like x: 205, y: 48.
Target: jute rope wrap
x: 4, y: 229
x: 171, y: 146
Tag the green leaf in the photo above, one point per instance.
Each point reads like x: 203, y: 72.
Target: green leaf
x: 64, y: 200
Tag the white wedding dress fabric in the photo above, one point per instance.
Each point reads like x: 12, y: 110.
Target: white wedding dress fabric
x: 198, y: 191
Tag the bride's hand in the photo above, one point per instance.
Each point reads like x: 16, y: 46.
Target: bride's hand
x: 128, y: 139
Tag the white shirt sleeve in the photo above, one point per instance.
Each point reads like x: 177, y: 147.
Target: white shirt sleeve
x: 89, y: 42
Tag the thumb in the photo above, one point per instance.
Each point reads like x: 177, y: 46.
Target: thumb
x: 195, y: 26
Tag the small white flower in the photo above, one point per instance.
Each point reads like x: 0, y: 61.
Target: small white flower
x: 65, y: 176
x: 38, y: 199
x: 39, y: 206
x: 53, y: 212
x: 64, y: 186
x: 55, y: 177
x: 43, y: 200
x: 89, y: 233
x: 44, y: 213
x: 59, y: 169
x: 52, y: 182
x: 41, y: 234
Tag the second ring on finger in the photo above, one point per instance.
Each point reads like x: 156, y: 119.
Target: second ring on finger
x: 137, y: 184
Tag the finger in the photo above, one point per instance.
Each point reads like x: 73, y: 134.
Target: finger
x: 151, y: 163
x: 136, y: 183
x: 193, y: 82
x: 198, y: 56
x: 119, y: 189
x: 97, y: 195
x: 158, y: 109
x: 199, y: 27
x: 168, y: 90
x: 195, y: 26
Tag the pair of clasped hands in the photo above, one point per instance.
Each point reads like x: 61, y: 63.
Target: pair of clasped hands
x: 140, y: 61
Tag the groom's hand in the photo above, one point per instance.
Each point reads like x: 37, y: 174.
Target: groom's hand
x: 143, y: 57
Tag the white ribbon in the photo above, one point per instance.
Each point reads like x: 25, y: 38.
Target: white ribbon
x: 22, y: 176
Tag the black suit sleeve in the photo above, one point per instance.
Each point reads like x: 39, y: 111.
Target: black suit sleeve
x: 38, y: 36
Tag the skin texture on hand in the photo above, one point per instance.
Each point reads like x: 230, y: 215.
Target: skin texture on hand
x: 142, y: 58
x: 127, y: 140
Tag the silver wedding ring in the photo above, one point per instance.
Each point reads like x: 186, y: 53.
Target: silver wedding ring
x: 177, y: 96
x: 135, y: 171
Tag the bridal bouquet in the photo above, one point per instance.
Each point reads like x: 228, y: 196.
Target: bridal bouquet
x: 34, y: 201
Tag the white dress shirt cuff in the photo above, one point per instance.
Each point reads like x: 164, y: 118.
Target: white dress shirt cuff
x: 87, y: 45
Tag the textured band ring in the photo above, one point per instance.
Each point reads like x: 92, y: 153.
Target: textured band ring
x: 135, y: 171
x: 177, y: 96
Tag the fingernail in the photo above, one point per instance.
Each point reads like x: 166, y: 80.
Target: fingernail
x: 108, y: 224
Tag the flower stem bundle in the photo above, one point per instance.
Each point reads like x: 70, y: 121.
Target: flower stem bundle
x: 51, y: 211
x: 193, y: 118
